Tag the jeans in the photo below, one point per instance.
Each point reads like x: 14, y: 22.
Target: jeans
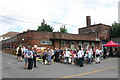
x: 81, y: 62
x: 34, y: 60
x: 89, y: 60
x: 67, y: 59
x: 30, y: 63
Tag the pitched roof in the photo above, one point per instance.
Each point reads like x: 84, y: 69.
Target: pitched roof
x: 10, y: 34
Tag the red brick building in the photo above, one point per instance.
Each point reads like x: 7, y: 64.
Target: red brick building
x: 90, y: 36
x: 101, y: 31
x: 49, y: 39
x: 55, y: 39
x: 6, y: 38
x: 8, y: 35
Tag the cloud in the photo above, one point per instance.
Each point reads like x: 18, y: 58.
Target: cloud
x: 73, y: 12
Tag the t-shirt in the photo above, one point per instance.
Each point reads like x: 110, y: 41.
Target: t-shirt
x: 67, y: 54
x: 30, y: 53
x: 49, y: 53
x: 52, y: 52
x: 34, y: 52
x: 80, y: 54
x: 25, y: 53
x: 90, y: 53
x: 97, y: 51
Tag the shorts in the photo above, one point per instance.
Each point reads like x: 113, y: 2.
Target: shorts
x: 26, y: 59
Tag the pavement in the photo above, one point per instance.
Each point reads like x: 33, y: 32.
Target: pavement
x: 108, y: 68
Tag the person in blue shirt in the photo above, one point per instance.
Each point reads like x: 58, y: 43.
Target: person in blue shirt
x: 25, y: 51
x: 30, y: 58
x: 49, y: 53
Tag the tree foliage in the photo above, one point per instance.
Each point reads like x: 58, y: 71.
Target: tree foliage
x: 115, y: 30
x: 45, y: 27
x: 63, y: 29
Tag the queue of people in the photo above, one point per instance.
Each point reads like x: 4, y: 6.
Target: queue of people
x: 67, y: 56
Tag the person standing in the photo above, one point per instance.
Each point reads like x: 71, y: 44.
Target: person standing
x: 94, y: 57
x: 52, y: 57
x: 104, y: 53
x: 34, y: 56
x: 83, y: 53
x: 97, y: 52
x: 25, y: 58
x: 64, y: 55
x: 44, y: 56
x: 80, y: 56
x: 90, y: 53
x: 57, y: 55
x: 67, y: 56
x: 20, y: 54
x: 49, y: 56
x: 30, y: 59
x: 23, y: 49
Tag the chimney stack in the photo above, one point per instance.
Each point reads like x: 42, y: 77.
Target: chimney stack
x: 88, y: 21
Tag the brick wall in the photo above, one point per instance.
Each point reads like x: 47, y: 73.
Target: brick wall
x: 67, y: 36
x: 97, y: 30
x: 32, y: 38
x: 57, y: 44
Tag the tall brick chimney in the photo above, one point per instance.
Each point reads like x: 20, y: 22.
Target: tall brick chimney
x: 88, y: 21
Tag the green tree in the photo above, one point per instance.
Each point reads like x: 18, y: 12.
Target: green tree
x: 45, y: 27
x: 115, y: 30
x: 63, y: 29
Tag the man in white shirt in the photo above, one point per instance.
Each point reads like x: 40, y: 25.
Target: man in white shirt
x: 67, y: 56
x: 80, y: 56
x: 97, y: 55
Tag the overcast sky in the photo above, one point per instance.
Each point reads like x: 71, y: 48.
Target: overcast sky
x: 20, y: 15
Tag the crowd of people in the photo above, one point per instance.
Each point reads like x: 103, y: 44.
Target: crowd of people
x: 28, y: 55
x: 66, y: 56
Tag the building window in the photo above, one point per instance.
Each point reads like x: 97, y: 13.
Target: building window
x: 63, y: 43
x: 43, y: 42
x: 105, y: 31
x: 92, y: 43
x: 3, y: 37
x: 86, y: 45
x: 72, y: 44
